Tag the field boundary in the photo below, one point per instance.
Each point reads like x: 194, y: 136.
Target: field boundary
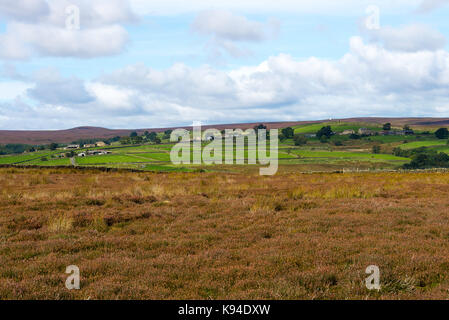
x: 111, y: 169
x: 81, y: 168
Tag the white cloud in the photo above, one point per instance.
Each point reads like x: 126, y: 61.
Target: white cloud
x: 414, y: 37
x: 112, y: 97
x: 178, y: 81
x: 341, y: 7
x: 228, y: 26
x: 367, y: 81
x: 59, y: 42
x: 12, y: 89
x: 51, y: 88
x: 37, y: 27
x: 225, y: 29
x: 27, y: 10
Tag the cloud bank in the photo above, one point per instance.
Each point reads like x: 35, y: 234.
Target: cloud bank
x: 369, y: 80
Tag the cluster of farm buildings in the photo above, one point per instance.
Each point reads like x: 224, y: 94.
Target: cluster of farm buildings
x: 88, y: 152
x: 369, y: 132
x: 93, y: 145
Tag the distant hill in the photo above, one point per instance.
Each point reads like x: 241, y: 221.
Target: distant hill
x: 65, y: 136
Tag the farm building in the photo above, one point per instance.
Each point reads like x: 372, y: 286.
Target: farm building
x: 389, y: 133
x: 366, y: 132
x: 347, y: 132
x: 72, y: 146
x: 100, y: 144
x: 397, y: 132
x: 97, y: 152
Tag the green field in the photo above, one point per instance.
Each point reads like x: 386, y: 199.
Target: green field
x: 337, y: 152
x: 336, y: 127
x: 105, y: 159
x: 49, y: 162
x: 418, y: 144
x: 152, y: 156
x: 347, y: 155
x: 24, y: 158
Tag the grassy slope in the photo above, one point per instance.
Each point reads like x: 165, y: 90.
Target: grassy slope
x: 350, y: 154
x: 11, y: 159
x: 336, y: 127
x: 116, y: 158
x: 50, y: 162
x: 417, y: 144
x: 344, y: 155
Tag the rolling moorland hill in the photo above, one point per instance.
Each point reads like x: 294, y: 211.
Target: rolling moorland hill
x: 65, y: 136
x: 300, y: 147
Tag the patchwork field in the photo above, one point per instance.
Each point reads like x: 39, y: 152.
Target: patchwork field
x: 337, y: 152
x: 223, y: 235
x: 336, y: 126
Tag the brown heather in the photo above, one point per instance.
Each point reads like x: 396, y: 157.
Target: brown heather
x: 222, y: 235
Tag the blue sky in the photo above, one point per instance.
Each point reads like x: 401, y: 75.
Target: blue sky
x: 143, y: 64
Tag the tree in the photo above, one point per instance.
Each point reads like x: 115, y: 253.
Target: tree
x: 125, y: 140
x: 152, y: 136
x: 338, y: 143
x: 324, y: 131
x: 133, y: 134
x: 299, y: 140
x: 70, y: 154
x: 157, y: 140
x: 53, y: 146
x: 397, y: 151
x: 260, y: 126
x: 167, y: 134
x: 288, y: 132
x: 426, y: 158
x: 421, y: 160
x: 137, y: 140
x: 282, y: 137
x: 406, y: 127
x: 387, y: 126
x: 324, y: 139
x: 376, y: 149
x: 442, y: 133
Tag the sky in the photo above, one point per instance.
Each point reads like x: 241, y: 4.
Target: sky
x: 149, y: 64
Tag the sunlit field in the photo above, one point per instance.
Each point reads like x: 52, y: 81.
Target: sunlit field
x: 209, y: 235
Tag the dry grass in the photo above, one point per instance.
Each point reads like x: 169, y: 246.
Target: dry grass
x: 211, y: 235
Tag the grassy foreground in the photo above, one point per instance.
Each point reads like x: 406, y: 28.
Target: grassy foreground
x: 221, y: 235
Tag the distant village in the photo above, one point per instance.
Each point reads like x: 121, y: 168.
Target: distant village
x: 95, y: 152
